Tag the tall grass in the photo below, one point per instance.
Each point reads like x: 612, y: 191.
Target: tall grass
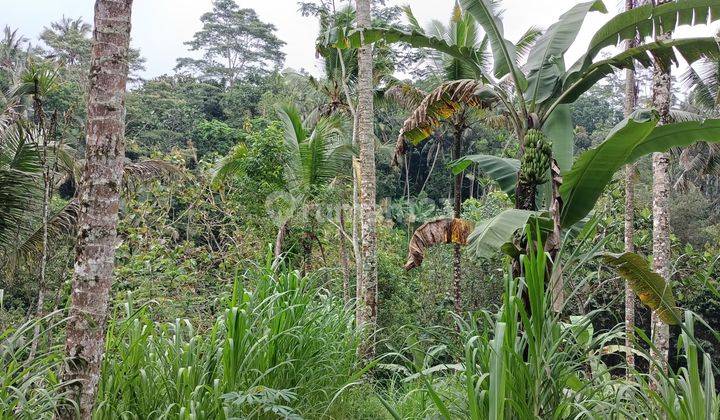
x: 284, y: 349
x: 525, y: 362
x: 30, y: 387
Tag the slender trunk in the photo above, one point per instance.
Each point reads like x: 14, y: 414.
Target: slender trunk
x: 430, y: 172
x: 47, y: 182
x: 407, y: 178
x: 457, y: 210
x: 366, y: 141
x: 661, y: 190
x: 99, y: 201
x: 344, y: 258
x: 356, y: 184
x: 280, y: 240
x: 631, y: 97
x: 306, y: 244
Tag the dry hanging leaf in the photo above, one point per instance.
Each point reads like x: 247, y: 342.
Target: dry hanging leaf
x: 443, y: 231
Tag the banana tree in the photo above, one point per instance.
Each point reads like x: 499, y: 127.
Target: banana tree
x: 536, y: 95
x: 456, y: 81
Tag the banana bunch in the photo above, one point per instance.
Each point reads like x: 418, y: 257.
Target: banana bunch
x: 535, y: 163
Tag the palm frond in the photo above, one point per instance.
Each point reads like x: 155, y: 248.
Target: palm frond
x: 526, y: 43
x: 231, y: 164
x: 20, y: 171
x: 140, y: 172
x: 61, y: 225
x: 404, y: 94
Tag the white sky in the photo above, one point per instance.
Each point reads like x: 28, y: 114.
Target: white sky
x: 161, y: 26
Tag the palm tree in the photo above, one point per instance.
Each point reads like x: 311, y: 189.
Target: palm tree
x: 631, y: 99
x: 367, y: 304
x: 662, y: 99
x: 318, y: 154
x: 99, y: 202
x: 536, y: 95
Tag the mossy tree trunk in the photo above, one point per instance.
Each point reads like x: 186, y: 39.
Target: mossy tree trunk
x: 99, y: 202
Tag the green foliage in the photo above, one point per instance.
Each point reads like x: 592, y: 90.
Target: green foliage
x: 502, y: 170
x: 282, y: 347
x: 521, y: 361
x: 163, y: 112
x: 214, y: 136
x: 29, y: 386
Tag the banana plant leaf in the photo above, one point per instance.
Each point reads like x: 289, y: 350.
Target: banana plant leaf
x: 554, y: 43
x: 491, y: 235
x: 651, y: 288
x: 593, y: 170
x: 504, y: 171
x: 631, y: 139
x: 487, y: 14
x: 689, y: 49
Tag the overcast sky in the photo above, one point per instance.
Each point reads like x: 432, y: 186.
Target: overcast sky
x: 161, y: 26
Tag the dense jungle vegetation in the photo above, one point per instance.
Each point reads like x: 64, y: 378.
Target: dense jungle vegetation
x: 445, y: 224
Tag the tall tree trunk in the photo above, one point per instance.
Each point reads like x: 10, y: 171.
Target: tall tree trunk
x: 366, y: 139
x: 631, y: 97
x: 47, y: 191
x: 99, y: 201
x: 457, y: 210
x: 662, y: 95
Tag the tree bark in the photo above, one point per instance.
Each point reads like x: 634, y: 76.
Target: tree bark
x: 457, y: 210
x: 631, y: 97
x: 99, y: 202
x: 662, y: 95
x: 366, y: 140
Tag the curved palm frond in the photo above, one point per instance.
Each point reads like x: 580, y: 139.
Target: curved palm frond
x: 61, y: 225
x: 526, y: 43
x: 442, y: 103
x: 141, y: 172
x: 703, y: 80
x: 20, y: 172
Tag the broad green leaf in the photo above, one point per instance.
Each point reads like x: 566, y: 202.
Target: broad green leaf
x: 487, y: 13
x: 646, y: 21
x: 559, y: 130
x: 650, y: 287
x: 665, y: 137
x: 553, y: 44
x: 490, y: 235
x: 585, y: 182
x: 689, y: 49
x: 501, y: 170
x: 545, y: 83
